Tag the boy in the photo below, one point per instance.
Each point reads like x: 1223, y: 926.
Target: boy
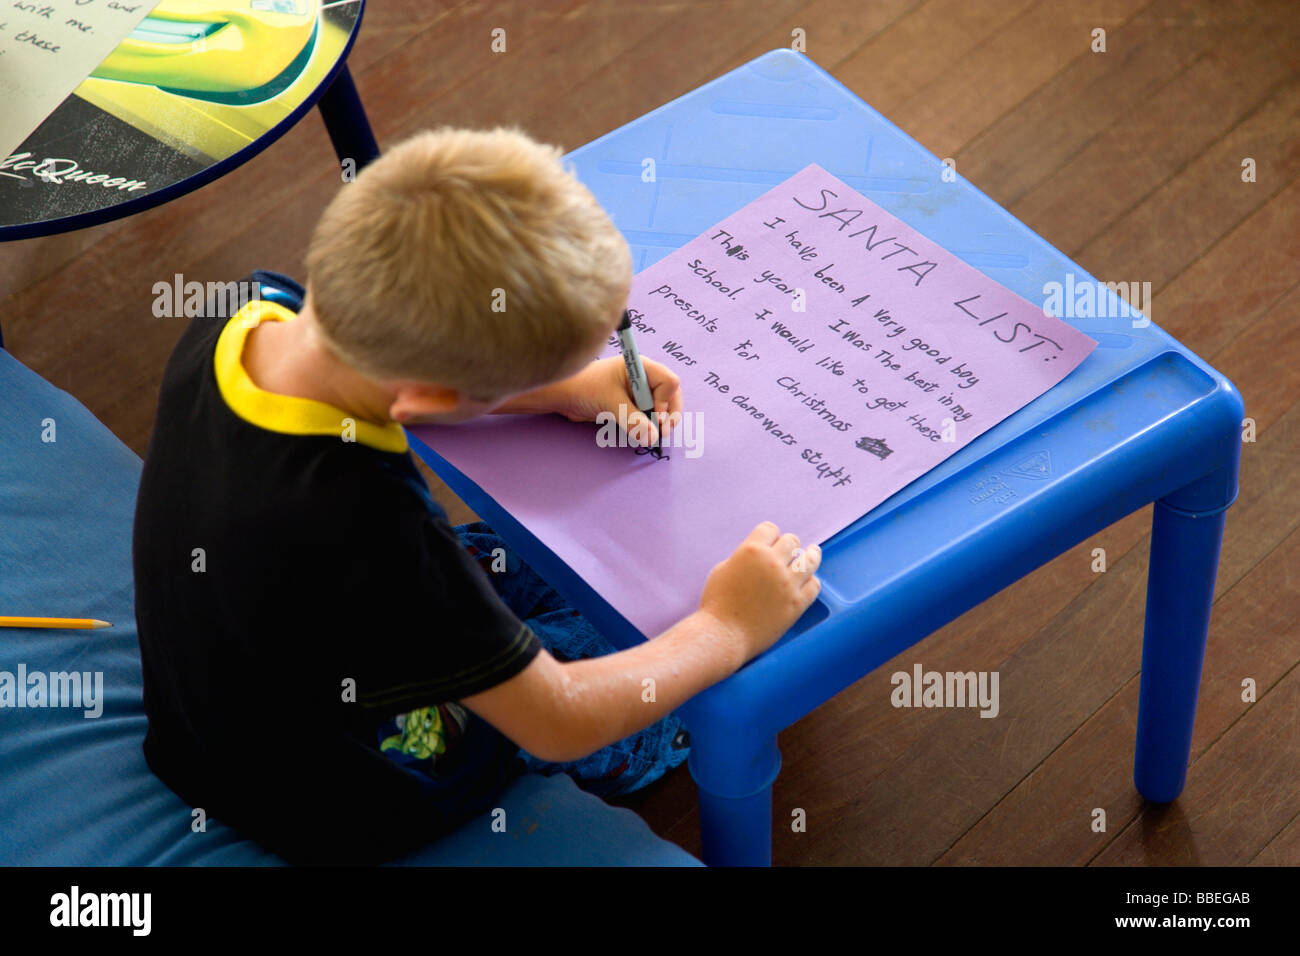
x: 326, y: 666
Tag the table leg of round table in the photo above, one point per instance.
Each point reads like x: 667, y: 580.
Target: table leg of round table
x: 346, y: 121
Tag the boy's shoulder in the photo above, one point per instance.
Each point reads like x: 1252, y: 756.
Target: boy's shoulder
x: 220, y: 438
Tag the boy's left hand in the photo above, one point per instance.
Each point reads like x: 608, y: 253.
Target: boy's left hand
x: 603, y: 386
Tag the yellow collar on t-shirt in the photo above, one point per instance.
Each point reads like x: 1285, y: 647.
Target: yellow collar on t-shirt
x: 287, y: 414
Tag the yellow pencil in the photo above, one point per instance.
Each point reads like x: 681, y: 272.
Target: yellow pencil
x: 86, y: 623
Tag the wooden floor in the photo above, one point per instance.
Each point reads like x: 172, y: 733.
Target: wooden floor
x: 1129, y: 161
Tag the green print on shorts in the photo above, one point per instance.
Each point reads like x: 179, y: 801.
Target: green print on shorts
x: 423, y: 734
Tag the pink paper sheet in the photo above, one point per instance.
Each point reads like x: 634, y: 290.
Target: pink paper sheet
x: 792, y: 416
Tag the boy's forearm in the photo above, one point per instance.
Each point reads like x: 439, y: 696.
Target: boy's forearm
x: 539, y: 401
x: 608, y: 698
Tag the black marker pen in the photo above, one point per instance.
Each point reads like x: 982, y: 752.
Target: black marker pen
x: 636, y: 376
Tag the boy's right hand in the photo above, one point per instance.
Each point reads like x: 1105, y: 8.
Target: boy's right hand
x: 761, y: 589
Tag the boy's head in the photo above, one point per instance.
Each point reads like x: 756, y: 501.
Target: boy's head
x: 470, y: 260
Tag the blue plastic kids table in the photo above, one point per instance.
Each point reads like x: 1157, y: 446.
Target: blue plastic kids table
x: 1141, y: 420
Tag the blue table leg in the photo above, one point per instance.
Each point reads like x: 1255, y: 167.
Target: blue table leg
x: 1180, y: 590
x: 734, y: 774
x: 346, y: 122
x: 737, y: 832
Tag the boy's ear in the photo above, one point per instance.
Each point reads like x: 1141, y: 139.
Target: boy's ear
x: 411, y: 402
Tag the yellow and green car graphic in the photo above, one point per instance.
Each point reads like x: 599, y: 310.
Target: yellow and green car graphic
x: 208, y: 77
x: 195, y: 84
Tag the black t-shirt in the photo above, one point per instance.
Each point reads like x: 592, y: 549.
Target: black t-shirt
x: 294, y: 590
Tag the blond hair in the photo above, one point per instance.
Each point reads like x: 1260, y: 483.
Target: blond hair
x: 407, y: 262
